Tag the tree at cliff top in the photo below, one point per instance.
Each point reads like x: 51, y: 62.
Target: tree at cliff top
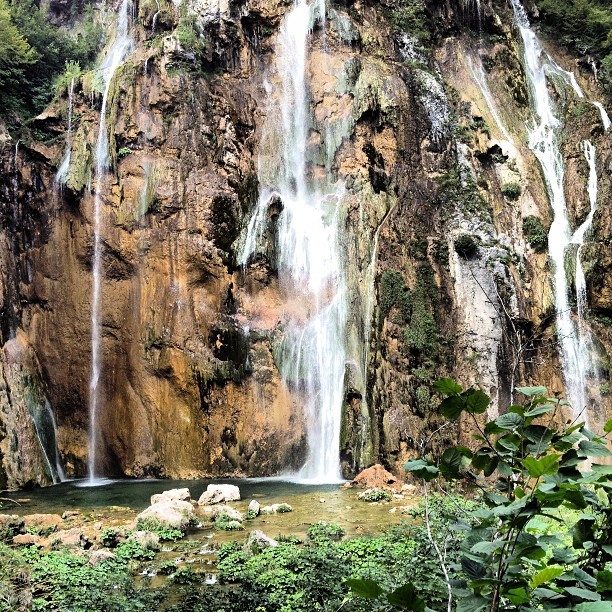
x: 37, y: 53
x: 584, y: 26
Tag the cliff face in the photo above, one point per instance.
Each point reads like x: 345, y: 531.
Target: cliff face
x: 442, y: 280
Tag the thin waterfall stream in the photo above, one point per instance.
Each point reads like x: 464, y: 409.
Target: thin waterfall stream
x: 121, y: 47
x: 310, y: 262
x: 62, y: 172
x: 543, y: 133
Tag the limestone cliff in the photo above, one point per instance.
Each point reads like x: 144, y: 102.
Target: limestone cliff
x: 444, y: 279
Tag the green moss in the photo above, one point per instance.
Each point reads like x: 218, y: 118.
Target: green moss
x: 535, y: 233
x: 393, y: 292
x: 511, y: 190
x: 466, y: 245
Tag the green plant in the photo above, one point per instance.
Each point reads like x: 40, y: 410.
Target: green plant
x: 322, y: 530
x: 535, y: 233
x: 375, y: 495
x: 133, y: 550
x: 528, y: 468
x: 466, y: 245
x: 511, y: 190
x: 167, y: 567
x: 109, y: 538
x: 165, y: 534
x: 604, y: 389
x: 282, y: 508
x: 123, y: 152
x: 251, y: 514
x: 185, y: 575
x: 225, y: 523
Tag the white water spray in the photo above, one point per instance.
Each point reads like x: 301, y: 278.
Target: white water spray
x: 605, y: 119
x: 313, y: 353
x: 62, y: 173
x: 121, y: 47
x: 544, y: 142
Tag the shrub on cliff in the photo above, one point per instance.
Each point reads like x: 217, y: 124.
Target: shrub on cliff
x: 535, y: 233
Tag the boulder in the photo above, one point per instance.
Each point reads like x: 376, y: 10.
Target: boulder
x: 26, y: 539
x: 146, y: 539
x: 231, y: 513
x: 172, y: 494
x: 254, y: 507
x: 71, y: 538
x: 11, y: 524
x: 276, y: 509
x: 42, y: 522
x: 100, y: 555
x: 215, y: 494
x: 172, y: 514
x: 376, y: 477
x: 256, y: 541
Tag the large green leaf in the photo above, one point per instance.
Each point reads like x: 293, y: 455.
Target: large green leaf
x: 452, y: 407
x: 608, y: 426
x: 583, y: 593
x: 422, y: 469
x: 548, y: 464
x: 531, y: 391
x: 593, y: 449
x: 369, y: 589
x: 594, y: 606
x: 474, y: 603
x: 405, y: 598
x: 546, y: 575
x: 447, y: 386
x: 604, y: 581
x: 539, y: 410
x: 477, y: 401
x: 509, y: 421
x: 583, y: 532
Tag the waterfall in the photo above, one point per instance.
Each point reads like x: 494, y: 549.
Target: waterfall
x: 155, y: 17
x: 479, y: 76
x: 605, y: 119
x: 584, y: 338
x: 308, y: 254
x: 543, y: 133
x: 121, y: 47
x: 62, y: 173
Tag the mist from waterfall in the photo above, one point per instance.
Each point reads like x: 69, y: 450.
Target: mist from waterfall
x: 310, y: 265
x: 120, y: 48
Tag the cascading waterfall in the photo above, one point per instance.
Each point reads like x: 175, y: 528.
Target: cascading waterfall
x: 584, y: 337
x: 309, y: 260
x: 121, y: 47
x: 544, y: 142
x: 605, y: 119
x: 62, y: 173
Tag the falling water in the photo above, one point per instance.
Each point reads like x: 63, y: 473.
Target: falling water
x: 605, y: 119
x: 62, y: 173
x: 584, y: 339
x: 122, y: 45
x: 544, y: 142
x: 313, y: 353
x: 155, y: 17
x: 480, y: 77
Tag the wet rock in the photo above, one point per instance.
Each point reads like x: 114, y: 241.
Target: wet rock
x: 146, y: 539
x: 254, y: 507
x: 215, y: 511
x: 71, y: 538
x: 26, y: 539
x: 42, y: 523
x: 276, y: 509
x: 100, y: 555
x: 173, y: 514
x: 375, y: 477
x: 172, y: 494
x: 215, y: 494
x: 257, y: 540
x: 69, y: 514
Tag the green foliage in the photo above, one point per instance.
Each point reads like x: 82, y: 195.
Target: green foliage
x: 52, y: 49
x: 167, y: 567
x: 461, y: 193
x: 410, y: 17
x: 251, y: 514
x: 185, y: 575
x: 511, y: 190
x: 164, y: 533
x: 60, y: 580
x: 109, y: 537
x: 466, y: 245
x: 375, y: 495
x: 528, y: 471
x: 394, y: 293
x: 225, y: 523
x: 325, y: 531
x: 535, y: 233
x: 282, y: 508
x: 124, y: 152
x: 133, y: 550
x: 584, y: 26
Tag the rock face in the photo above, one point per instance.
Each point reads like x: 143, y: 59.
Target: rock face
x: 172, y: 514
x: 216, y: 494
x: 190, y: 382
